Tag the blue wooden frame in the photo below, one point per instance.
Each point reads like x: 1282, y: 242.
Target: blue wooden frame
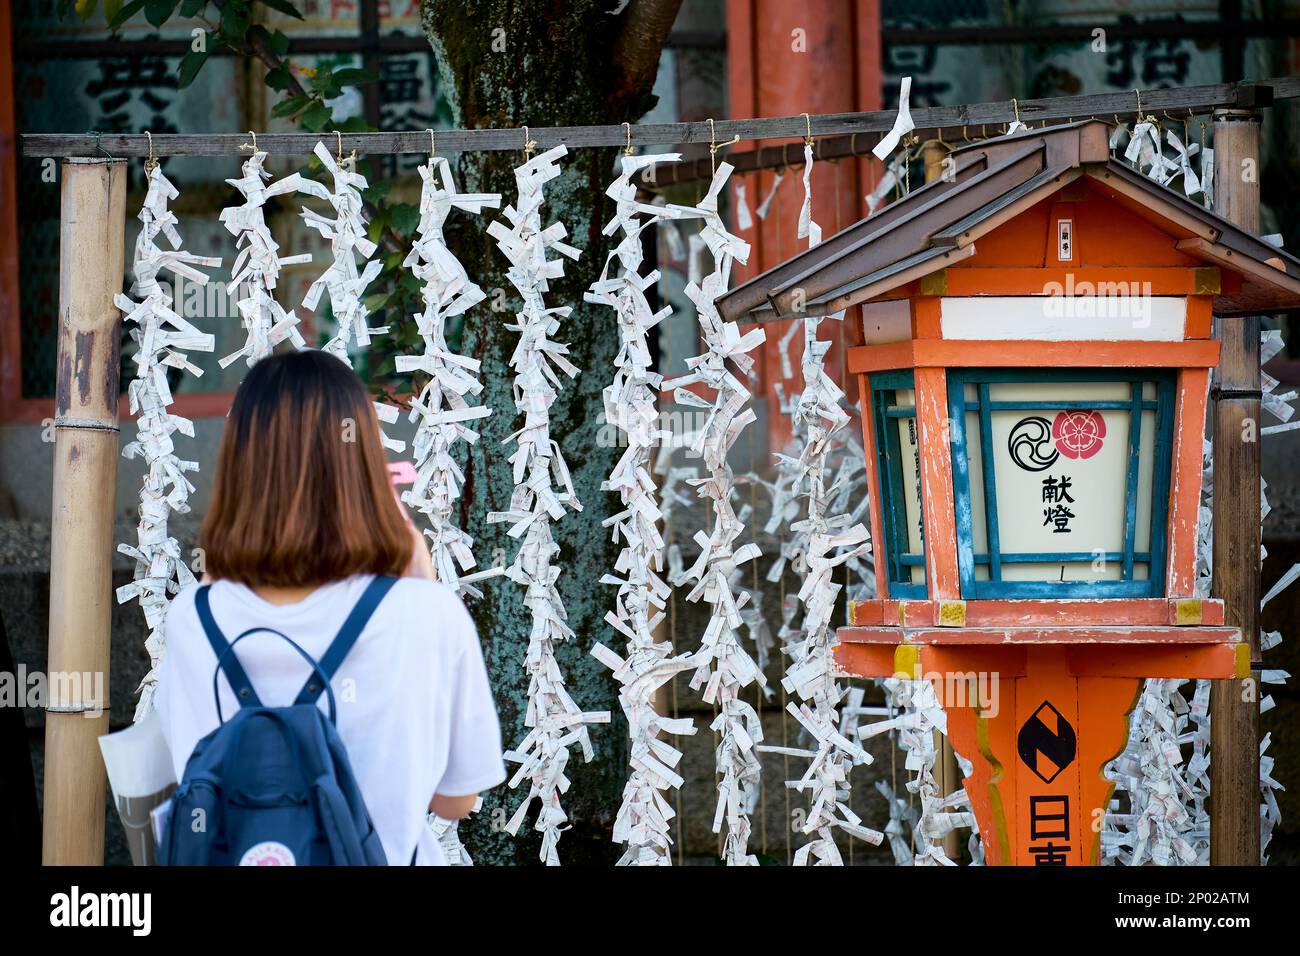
x: 889, y: 469
x: 1162, y: 454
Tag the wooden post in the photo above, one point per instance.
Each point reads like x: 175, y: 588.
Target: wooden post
x: 933, y: 155
x: 91, y: 244
x: 947, y: 775
x: 1234, y: 705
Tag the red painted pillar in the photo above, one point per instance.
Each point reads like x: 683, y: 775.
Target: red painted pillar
x: 815, y: 56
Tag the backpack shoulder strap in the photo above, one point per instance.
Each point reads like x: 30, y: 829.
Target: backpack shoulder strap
x: 227, y: 662
x: 347, y: 636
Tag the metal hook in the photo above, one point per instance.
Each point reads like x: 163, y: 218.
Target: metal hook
x: 99, y: 145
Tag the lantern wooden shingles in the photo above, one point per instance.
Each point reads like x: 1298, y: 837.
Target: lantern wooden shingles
x: 1033, y: 372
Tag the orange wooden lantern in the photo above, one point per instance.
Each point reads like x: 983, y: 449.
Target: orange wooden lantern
x: 1033, y: 374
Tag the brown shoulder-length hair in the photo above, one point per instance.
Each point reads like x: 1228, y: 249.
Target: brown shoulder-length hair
x: 302, y: 495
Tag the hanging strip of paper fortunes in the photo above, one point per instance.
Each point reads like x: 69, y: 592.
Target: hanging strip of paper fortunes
x: 161, y: 335
x: 903, y: 123
x: 442, y: 408
x: 555, y: 721
x: 346, y: 285
x: 1145, y: 151
x: 346, y: 233
x: 789, y: 465
x: 643, y: 821
x: 829, y: 543
x: 258, y: 263
x: 917, y: 716
x: 722, y: 666
x: 811, y: 546
x: 1166, y: 822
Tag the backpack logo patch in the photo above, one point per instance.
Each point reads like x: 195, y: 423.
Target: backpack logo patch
x: 268, y: 853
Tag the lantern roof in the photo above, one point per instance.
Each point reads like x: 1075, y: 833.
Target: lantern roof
x: 939, y: 224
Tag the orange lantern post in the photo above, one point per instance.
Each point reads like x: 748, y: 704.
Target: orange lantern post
x: 1034, y: 369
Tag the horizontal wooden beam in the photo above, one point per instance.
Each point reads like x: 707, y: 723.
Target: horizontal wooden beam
x: 1078, y: 612
x: 957, y: 124
x: 1008, y: 661
x: 856, y: 132
x: 1163, y: 29
x: 1057, y: 634
x: 946, y: 353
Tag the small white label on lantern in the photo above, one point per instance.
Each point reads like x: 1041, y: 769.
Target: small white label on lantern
x: 1066, y: 312
x: 1065, y: 240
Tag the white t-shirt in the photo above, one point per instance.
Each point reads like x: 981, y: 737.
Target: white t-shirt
x: 415, y: 710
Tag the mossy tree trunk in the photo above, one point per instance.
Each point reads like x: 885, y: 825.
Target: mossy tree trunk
x: 510, y: 63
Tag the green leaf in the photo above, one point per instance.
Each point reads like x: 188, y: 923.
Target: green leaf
x: 404, y: 217
x: 191, y: 8
x: 355, y: 77
x: 354, y: 124
x: 278, y: 79
x: 325, y: 84
x: 315, y: 117
x: 129, y: 9
x: 279, y: 42
x: 290, y: 106
x: 376, y: 192
x: 158, y: 11
x: 234, y: 22
x: 284, y: 6
x: 191, y: 63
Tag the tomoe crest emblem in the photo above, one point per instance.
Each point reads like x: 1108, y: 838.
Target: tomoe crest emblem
x: 1031, y: 444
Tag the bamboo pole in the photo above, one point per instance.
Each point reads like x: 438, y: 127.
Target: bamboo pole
x: 1234, y: 704
x: 93, y: 202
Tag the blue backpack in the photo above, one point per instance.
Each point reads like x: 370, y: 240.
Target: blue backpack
x: 272, y: 786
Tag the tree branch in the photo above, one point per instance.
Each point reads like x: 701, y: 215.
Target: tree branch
x: 257, y: 47
x: 646, y: 24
